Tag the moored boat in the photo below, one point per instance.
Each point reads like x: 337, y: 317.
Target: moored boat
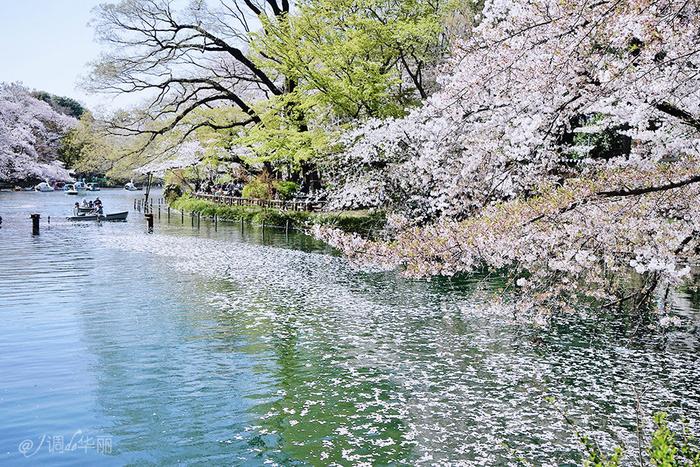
x: 92, y: 187
x: 70, y: 190
x: 44, y: 187
x: 80, y: 187
x: 131, y: 187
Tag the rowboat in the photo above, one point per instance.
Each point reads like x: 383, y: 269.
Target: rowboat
x: 114, y: 217
x: 92, y: 187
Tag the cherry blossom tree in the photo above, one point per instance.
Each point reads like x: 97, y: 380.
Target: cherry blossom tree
x: 30, y: 132
x: 503, y: 167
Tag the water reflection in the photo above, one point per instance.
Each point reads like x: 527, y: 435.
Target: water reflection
x: 238, y: 347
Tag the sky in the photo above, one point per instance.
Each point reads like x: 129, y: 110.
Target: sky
x: 47, y: 44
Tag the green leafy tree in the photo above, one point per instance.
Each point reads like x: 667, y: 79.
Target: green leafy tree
x: 355, y: 58
x: 62, y: 104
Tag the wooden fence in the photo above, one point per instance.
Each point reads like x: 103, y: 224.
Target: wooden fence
x: 284, y: 205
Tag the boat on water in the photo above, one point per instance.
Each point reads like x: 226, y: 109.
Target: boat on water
x: 80, y: 186
x: 77, y: 188
x: 92, y: 187
x: 44, y: 187
x: 114, y: 217
x: 131, y: 187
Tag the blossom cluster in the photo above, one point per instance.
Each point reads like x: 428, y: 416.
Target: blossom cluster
x: 30, y: 133
x: 470, y: 169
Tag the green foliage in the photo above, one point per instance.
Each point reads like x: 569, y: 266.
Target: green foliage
x: 347, y: 57
x: 258, y: 188
x: 171, y: 192
x: 275, y: 217
x: 86, y: 148
x: 342, y: 60
x: 281, y: 139
x: 664, y: 449
x: 667, y: 450
x: 65, y: 105
x: 285, y: 189
x: 361, y: 222
x: 596, y: 457
x: 349, y: 221
x: 253, y: 214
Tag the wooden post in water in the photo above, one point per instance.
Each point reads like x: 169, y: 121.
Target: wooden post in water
x: 149, y: 221
x: 192, y: 218
x: 35, y: 223
x: 159, y: 212
x: 168, y: 214
x: 134, y: 204
x: 216, y: 222
x: 286, y: 227
x: 182, y: 215
x: 199, y: 218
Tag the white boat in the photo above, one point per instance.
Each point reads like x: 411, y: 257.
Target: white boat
x: 44, y: 187
x: 92, y: 187
x: 70, y: 190
x: 131, y: 187
x: 80, y: 187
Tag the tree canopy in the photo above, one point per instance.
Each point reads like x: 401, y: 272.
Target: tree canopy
x: 491, y: 172
x: 283, y: 71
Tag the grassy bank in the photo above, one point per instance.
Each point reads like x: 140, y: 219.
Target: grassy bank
x: 361, y: 221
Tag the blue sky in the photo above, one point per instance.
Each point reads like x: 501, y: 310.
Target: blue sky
x: 46, y: 44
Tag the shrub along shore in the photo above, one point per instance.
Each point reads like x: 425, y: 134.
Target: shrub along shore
x: 360, y: 221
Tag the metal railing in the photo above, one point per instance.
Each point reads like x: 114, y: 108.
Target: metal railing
x: 308, y: 205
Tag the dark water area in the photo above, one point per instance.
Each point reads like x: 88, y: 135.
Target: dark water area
x: 240, y: 346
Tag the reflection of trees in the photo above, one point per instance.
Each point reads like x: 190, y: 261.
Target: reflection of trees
x: 326, y: 404
x: 165, y: 393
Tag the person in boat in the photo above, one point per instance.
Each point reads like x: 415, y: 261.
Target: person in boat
x: 98, y: 203
x: 98, y: 210
x: 76, y: 209
x: 85, y: 203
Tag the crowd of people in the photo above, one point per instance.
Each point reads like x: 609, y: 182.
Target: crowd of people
x: 94, y: 207
x: 228, y: 189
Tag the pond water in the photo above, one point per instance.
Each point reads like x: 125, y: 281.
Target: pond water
x: 238, y: 346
